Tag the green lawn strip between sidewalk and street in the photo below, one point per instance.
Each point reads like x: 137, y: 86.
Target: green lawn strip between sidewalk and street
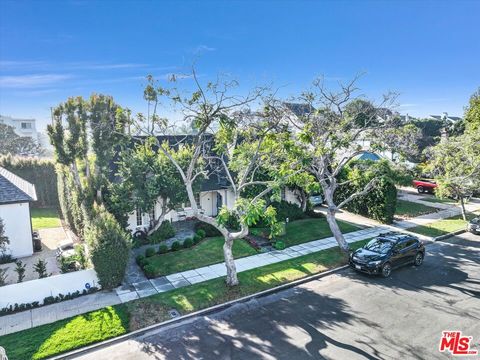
x: 411, y: 209
x: 305, y: 230
x: 207, y: 252
x: 82, y: 330
x: 44, y: 218
x: 442, y: 227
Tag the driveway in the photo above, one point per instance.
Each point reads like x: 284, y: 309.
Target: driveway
x: 342, y: 316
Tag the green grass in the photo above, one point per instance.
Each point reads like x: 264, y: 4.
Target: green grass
x: 441, y: 227
x: 306, y: 230
x: 82, y: 330
x: 68, y: 334
x: 207, y: 252
x: 412, y: 209
x: 438, y: 200
x: 45, y: 218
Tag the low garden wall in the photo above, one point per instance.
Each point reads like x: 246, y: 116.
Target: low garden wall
x: 39, y: 289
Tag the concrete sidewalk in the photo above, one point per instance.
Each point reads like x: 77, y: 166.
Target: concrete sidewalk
x: 50, y: 313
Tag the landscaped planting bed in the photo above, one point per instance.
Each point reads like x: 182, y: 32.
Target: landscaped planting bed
x: 82, y: 330
x: 409, y: 209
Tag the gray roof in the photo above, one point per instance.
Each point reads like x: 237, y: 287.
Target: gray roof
x: 14, y: 189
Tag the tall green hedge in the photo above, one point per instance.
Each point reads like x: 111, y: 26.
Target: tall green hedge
x: 381, y: 202
x: 108, y: 245
x: 40, y: 172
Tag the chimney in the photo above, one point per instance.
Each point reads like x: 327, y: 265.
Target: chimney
x: 444, y: 116
x: 407, y: 118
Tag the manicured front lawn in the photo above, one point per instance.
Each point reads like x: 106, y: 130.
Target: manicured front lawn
x: 68, y: 334
x: 207, y: 252
x: 306, y: 230
x: 412, y: 209
x: 441, y: 227
x: 434, y: 199
x: 45, y: 218
x: 82, y: 330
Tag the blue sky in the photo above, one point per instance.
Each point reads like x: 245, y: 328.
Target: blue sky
x: 428, y: 51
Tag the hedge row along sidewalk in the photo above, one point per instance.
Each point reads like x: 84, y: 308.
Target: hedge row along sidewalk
x: 69, y: 334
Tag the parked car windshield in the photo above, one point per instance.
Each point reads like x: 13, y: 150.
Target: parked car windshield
x: 379, y: 245
x: 475, y: 221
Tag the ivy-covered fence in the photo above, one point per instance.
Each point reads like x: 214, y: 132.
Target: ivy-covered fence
x: 40, y: 172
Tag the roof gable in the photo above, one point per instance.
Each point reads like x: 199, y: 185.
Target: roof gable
x: 15, y: 189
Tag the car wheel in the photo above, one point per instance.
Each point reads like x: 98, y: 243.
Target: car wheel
x: 386, y: 270
x: 420, y: 189
x: 418, y: 259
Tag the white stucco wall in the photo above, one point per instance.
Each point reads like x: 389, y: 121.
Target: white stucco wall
x: 291, y: 197
x: 18, y: 228
x: 39, y: 289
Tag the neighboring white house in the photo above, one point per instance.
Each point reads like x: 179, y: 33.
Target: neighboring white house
x: 15, y: 197
x: 445, y: 117
x: 22, y: 127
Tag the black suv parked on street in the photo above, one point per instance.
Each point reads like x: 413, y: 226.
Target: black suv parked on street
x: 386, y: 252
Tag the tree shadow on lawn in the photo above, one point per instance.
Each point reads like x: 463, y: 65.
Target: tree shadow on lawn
x: 297, y: 324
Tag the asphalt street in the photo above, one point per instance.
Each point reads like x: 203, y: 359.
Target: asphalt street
x: 341, y: 316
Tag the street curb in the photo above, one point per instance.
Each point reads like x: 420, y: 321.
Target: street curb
x: 446, y: 236
x: 190, y: 317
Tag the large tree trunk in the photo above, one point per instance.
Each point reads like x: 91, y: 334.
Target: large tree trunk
x: 232, y: 279
x: 462, y: 205
x: 332, y: 223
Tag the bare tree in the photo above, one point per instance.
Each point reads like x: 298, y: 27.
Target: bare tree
x: 231, y: 141
x: 333, y: 128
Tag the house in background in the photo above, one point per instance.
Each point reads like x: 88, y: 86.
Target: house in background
x: 445, y: 117
x: 16, y: 194
x: 22, y: 127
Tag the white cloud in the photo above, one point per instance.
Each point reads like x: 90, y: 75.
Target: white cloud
x: 32, y: 81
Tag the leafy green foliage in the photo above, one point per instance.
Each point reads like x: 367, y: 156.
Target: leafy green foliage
x: 208, y: 230
x: 176, y: 246
x: 201, y: 233
x: 455, y: 164
x: 40, y: 268
x: 380, y: 202
x: 187, y: 243
x: 149, y: 252
x: 4, y: 241
x: 162, y: 249
x: 196, y: 239
x: 141, y: 261
x: 109, y: 248
x: 472, y: 114
x: 288, y: 210
x: 37, y: 171
x: 279, y: 245
x: 165, y: 231
x: 20, y: 269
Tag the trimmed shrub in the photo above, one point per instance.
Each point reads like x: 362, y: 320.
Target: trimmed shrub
x: 149, y: 270
x: 141, y: 261
x: 379, y: 203
x: 163, y: 249
x: 201, y: 233
x: 196, y: 239
x: 287, y: 210
x: 109, y: 247
x: 176, y: 246
x: 208, y: 229
x: 187, y: 243
x: 149, y: 252
x: 279, y: 245
x: 164, y: 232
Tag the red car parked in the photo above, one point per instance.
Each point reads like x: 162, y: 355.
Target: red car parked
x: 424, y: 185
